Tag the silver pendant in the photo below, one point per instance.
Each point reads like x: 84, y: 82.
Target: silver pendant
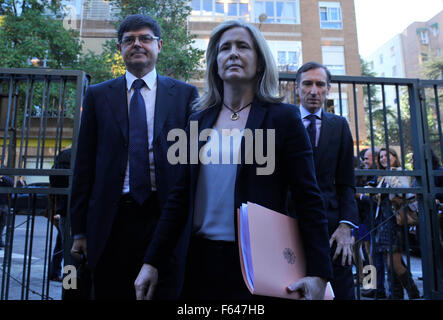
x: 234, y: 116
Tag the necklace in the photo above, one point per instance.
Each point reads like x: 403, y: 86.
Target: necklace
x: 235, y: 114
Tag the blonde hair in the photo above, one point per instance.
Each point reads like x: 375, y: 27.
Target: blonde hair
x: 267, y: 74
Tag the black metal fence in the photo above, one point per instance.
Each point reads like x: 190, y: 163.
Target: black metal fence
x: 404, y: 115
x: 40, y: 116
x: 40, y: 112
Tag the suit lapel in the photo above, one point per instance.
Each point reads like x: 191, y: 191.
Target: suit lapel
x: 325, y: 133
x: 164, y: 103
x: 255, y: 120
x: 118, y: 102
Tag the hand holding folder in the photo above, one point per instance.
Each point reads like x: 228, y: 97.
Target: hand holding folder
x: 271, y: 252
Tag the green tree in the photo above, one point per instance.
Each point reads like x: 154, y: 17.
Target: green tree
x: 379, y: 113
x: 104, y: 66
x: 433, y: 68
x: 177, y: 59
x: 34, y: 28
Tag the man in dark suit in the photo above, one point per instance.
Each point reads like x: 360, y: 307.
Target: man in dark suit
x: 122, y: 176
x: 332, y: 143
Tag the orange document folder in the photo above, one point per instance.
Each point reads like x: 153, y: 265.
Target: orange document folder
x: 271, y: 252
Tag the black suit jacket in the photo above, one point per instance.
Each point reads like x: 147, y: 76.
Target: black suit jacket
x: 294, y: 169
x: 334, y: 167
x: 102, y: 153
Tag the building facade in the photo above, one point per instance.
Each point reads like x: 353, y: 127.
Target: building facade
x: 405, y: 54
x: 297, y: 31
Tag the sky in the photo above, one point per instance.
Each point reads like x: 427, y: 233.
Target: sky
x: 380, y: 20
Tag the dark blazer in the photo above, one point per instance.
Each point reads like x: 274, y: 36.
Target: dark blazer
x: 102, y: 153
x: 294, y: 169
x: 334, y: 166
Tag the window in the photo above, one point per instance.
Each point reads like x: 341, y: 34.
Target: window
x: 371, y: 64
x: 201, y: 44
x: 216, y: 9
x: 423, y: 57
x: 434, y: 29
x: 334, y: 59
x: 238, y: 9
x: 424, y: 36
x: 381, y: 59
x: 330, y: 15
x: 394, y: 71
x: 343, y: 110
x: 287, y: 61
x: 202, y: 7
x: 278, y: 11
x: 392, y: 51
x: 287, y: 54
x: 333, y: 104
x: 219, y: 7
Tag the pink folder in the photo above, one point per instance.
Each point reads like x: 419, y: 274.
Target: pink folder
x: 276, y: 253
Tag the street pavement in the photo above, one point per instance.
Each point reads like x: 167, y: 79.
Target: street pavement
x: 38, y: 287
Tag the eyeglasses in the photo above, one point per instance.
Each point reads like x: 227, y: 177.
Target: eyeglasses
x: 144, y: 38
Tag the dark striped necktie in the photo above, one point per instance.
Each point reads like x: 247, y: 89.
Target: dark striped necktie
x: 139, y: 175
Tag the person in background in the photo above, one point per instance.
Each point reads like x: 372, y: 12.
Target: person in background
x: 5, y: 181
x: 368, y: 205
x: 332, y: 144
x: 21, y: 182
x: 389, y: 235
x: 362, y: 247
x: 62, y: 161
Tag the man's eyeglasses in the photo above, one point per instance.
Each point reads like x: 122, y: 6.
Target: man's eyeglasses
x: 144, y: 38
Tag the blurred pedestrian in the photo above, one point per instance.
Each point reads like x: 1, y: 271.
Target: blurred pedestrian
x: 5, y: 181
x: 389, y: 235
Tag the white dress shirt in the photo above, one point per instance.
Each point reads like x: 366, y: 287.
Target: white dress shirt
x: 149, y: 93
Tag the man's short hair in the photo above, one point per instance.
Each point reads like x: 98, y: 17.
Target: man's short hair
x: 136, y: 22
x: 310, y: 66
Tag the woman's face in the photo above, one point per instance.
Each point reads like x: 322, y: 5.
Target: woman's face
x: 384, y: 159
x: 236, y: 58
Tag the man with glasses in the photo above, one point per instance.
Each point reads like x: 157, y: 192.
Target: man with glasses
x: 122, y: 177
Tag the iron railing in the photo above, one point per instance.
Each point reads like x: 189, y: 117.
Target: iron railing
x: 404, y: 115
x: 30, y: 143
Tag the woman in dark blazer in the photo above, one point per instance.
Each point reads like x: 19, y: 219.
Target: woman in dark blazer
x: 269, y: 153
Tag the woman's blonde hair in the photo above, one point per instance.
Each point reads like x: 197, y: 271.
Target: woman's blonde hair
x: 267, y: 74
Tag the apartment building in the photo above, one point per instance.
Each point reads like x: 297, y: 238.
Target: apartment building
x: 297, y: 31
x: 405, y: 54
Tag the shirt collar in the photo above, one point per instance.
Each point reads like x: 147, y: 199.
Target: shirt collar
x: 149, y: 78
x: 304, y: 113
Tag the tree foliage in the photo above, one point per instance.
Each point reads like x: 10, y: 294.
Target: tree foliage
x: 33, y: 28
x: 384, y: 122
x: 177, y: 59
x: 433, y: 68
